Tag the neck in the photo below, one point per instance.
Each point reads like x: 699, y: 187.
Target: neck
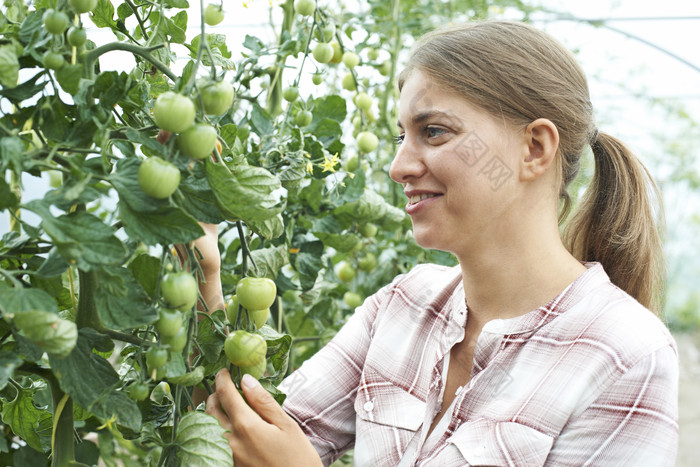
x: 505, y: 282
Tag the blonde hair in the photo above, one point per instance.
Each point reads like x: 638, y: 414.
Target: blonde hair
x: 517, y: 72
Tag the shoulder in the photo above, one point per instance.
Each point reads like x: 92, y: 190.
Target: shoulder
x: 612, y: 320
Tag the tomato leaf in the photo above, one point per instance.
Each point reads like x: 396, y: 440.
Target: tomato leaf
x: 211, y: 341
x: 278, y: 346
x: 121, y: 301
x: 103, y: 15
x: 200, y: 441
x: 197, y: 198
x: 8, y: 362
x: 68, y: 77
x: 146, y: 269
x: 371, y: 207
x: 25, y: 418
x: 270, y: 260
x: 244, y: 192
x: 91, y: 381
x: 20, y: 300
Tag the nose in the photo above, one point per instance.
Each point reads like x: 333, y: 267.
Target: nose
x: 408, y: 163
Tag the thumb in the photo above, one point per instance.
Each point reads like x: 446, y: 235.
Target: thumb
x: 262, y: 402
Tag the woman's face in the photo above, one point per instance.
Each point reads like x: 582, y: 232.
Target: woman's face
x: 458, y: 166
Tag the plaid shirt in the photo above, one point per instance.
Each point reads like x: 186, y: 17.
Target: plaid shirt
x: 591, y: 378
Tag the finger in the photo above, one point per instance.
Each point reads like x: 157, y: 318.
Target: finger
x: 263, y: 403
x: 214, y: 409
x: 231, y: 401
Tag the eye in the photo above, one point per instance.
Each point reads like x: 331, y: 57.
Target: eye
x: 398, y: 139
x: 434, y: 132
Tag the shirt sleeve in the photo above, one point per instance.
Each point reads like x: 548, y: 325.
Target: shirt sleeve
x: 321, y: 393
x: 633, y: 422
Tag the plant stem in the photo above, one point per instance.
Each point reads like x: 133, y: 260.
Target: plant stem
x: 274, y: 98
x: 94, y: 54
x: 396, y: 48
x: 63, y: 452
x: 86, y: 315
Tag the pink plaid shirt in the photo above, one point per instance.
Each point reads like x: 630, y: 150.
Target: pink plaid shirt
x: 591, y: 378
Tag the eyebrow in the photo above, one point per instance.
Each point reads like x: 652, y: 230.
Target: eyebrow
x: 423, y: 116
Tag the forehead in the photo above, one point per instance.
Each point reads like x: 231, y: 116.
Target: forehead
x: 424, y: 98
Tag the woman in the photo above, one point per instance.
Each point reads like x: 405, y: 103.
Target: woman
x: 534, y: 350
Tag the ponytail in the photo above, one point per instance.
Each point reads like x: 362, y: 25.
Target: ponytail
x: 616, y: 223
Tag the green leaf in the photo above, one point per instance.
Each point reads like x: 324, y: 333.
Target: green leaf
x: 328, y: 107
x: 121, y: 301
x: 211, y: 341
x: 177, y: 3
x: 81, y: 237
x: 270, y: 260
x: 197, y: 198
x: 165, y: 226
x: 54, y: 265
x: 329, y: 231
x: 370, y: 207
x: 244, y: 192
x: 68, y: 77
x: 200, y: 441
x: 146, y: 269
x: 308, y: 263
x: 24, y: 417
x: 261, y: 121
x: 278, y: 346
x: 103, y: 15
x: 269, y: 228
x: 8, y: 362
x: 91, y: 381
x: 9, y: 66
x: 16, y: 300
x: 25, y: 90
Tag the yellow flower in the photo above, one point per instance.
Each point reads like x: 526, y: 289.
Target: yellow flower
x: 309, y: 167
x: 329, y: 164
x: 108, y: 424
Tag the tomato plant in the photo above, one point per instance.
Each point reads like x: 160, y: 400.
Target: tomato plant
x: 98, y: 273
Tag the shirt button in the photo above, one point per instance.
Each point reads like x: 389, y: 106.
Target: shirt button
x: 369, y: 406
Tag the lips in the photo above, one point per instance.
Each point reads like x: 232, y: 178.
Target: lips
x: 416, y: 198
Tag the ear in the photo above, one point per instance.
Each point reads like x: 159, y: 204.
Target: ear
x: 541, y: 141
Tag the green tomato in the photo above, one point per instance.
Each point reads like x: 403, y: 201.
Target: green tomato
x: 367, y: 141
x: 373, y: 54
x: 139, y: 391
x: 305, y: 7
x: 245, y: 349
x: 349, y: 82
x: 368, y: 230
x: 232, y: 310
x: 53, y: 60
x: 83, y: 6
x: 352, y: 163
x: 367, y: 263
x: 303, y: 118
x: 351, y: 59
x: 337, y: 53
x: 173, y: 112
x: 77, y: 37
x: 385, y: 68
x: 217, y: 97
x: 213, y: 14
x: 290, y: 94
x: 179, y: 289
x: 177, y: 342
x: 55, y: 22
x: 169, y: 322
x: 256, y: 293
x: 345, y: 271
x: 198, y: 141
x: 158, y: 178
x: 156, y: 357
x: 317, y: 78
x: 363, y: 101
x: 323, y: 53
x: 325, y: 33
x: 352, y: 299
x: 255, y: 371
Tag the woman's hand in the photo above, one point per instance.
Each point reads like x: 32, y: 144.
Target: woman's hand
x: 263, y: 434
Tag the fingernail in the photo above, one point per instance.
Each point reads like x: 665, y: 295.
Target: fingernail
x: 249, y: 382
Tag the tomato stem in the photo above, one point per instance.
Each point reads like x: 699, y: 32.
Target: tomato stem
x: 63, y: 450
x: 143, y: 52
x: 86, y: 316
